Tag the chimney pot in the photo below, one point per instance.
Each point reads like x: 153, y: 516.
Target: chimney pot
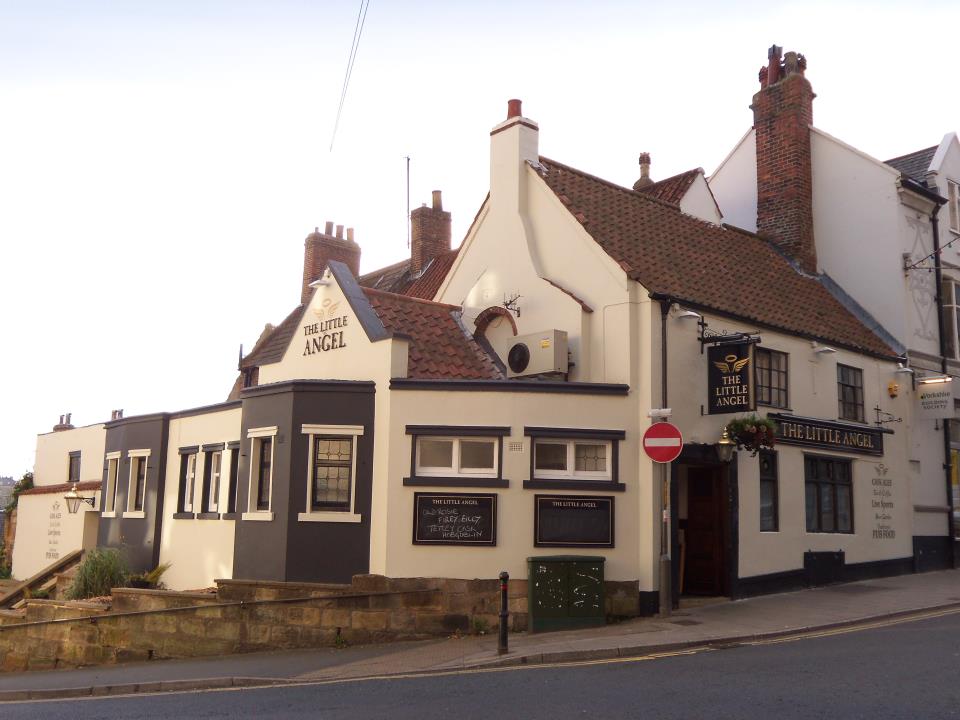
x: 644, y: 180
x: 513, y: 108
x: 339, y: 232
x: 328, y: 229
x: 350, y: 234
x: 437, y: 201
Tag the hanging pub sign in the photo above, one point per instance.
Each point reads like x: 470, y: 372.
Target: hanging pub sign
x: 730, y: 378
x: 935, y: 399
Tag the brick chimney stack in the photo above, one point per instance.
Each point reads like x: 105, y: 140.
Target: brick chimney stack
x: 644, y: 180
x: 64, y: 423
x: 782, y: 117
x: 429, y: 234
x: 320, y: 248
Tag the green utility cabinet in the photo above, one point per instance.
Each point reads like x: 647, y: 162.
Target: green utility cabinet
x: 565, y: 592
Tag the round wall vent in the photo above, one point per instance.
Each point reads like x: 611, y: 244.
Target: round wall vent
x: 519, y: 357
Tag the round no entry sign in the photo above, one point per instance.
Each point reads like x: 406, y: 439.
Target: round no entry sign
x: 663, y: 442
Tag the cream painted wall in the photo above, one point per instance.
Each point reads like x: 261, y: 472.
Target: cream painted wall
x: 199, y: 551
x: 699, y: 202
x: 629, y: 560
x: 52, y: 464
x: 46, y: 531
x: 524, y: 237
x: 812, y: 389
x: 856, y: 221
x: 734, y: 184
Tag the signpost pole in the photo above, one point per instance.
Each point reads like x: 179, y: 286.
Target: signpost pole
x: 666, y: 599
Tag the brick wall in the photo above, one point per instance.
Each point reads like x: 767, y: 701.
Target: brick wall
x: 782, y: 116
x: 429, y: 233
x: 320, y: 248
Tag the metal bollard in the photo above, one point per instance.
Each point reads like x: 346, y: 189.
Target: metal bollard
x: 504, y: 614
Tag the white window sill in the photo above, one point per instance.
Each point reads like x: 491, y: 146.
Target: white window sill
x: 140, y: 514
x: 335, y: 517
x: 111, y: 514
x: 261, y: 515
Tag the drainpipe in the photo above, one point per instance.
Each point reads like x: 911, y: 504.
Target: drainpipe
x: 938, y: 270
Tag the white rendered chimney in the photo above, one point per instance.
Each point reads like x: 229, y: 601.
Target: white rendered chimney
x: 512, y: 143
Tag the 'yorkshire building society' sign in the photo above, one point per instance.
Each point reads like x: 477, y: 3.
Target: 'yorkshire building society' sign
x: 730, y: 378
x: 935, y: 400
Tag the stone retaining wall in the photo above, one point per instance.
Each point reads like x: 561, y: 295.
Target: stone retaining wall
x: 220, y: 629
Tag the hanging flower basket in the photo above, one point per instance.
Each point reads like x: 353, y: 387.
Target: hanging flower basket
x: 753, y: 433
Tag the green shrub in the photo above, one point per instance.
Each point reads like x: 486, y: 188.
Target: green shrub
x: 100, y: 570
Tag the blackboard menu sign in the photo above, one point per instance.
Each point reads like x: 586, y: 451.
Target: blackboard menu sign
x: 454, y: 519
x: 573, y: 521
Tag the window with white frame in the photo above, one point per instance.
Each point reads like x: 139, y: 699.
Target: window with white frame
x: 953, y: 204
x: 261, y: 473
x: 456, y: 456
x: 211, y: 480
x: 189, y: 480
x: 950, y: 293
x: 331, y: 473
x: 588, y: 459
x: 113, y: 474
x: 137, y: 483
x: 570, y: 457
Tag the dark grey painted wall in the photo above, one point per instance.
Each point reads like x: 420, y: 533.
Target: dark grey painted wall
x: 286, y: 548
x: 138, y: 538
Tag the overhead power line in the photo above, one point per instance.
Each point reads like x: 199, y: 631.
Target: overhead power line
x: 357, y: 32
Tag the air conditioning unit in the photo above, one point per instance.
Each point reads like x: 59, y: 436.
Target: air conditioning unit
x: 536, y: 354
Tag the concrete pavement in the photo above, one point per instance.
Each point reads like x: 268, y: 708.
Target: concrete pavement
x: 705, y: 624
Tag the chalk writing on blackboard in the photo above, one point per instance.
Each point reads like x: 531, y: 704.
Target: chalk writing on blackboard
x: 454, y: 519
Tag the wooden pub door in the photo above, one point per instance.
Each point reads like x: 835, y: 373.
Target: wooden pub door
x: 704, y: 566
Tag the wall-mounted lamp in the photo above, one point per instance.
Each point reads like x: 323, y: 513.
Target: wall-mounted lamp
x: 725, y: 447
x: 935, y: 379
x: 903, y: 370
x: 682, y: 314
x: 74, y: 499
x: 822, y: 349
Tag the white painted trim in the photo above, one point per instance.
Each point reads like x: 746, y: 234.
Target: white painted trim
x: 134, y: 456
x: 351, y: 431
x: 254, y: 453
x: 134, y: 514
x: 261, y: 515
x: 334, y: 517
x: 138, y: 453
x: 109, y: 514
x: 570, y: 473
x: 115, y: 455
x: 262, y: 432
x: 455, y: 470
x: 355, y: 430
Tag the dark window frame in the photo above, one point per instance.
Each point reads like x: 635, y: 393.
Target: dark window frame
x: 769, y: 393
x: 264, y: 473
x: 828, y: 483
x: 73, y: 467
x: 315, y: 463
x: 234, y: 481
x: 572, y: 482
x: 465, y: 432
x: 770, y: 477
x: 139, y: 475
x: 850, y: 404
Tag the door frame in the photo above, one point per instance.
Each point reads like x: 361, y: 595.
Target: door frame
x: 705, y: 456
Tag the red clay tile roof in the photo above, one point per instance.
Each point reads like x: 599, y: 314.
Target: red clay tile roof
x: 63, y: 488
x: 440, y: 346
x: 672, y: 189
x: 397, y: 278
x: 714, y: 267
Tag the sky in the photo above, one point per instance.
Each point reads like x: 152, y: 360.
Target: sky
x: 162, y: 162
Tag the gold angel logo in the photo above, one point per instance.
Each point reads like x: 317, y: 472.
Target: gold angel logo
x: 732, y: 364
x: 327, y: 309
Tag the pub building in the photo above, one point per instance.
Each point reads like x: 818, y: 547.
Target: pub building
x: 455, y: 414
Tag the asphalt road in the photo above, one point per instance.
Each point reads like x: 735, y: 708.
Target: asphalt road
x: 908, y: 670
